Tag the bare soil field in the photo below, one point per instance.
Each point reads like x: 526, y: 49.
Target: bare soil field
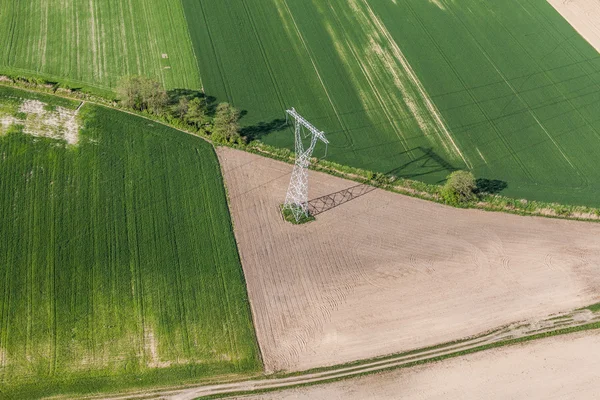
x: 583, y: 15
x: 562, y: 367
x: 386, y: 273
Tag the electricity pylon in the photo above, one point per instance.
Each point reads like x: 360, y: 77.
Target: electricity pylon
x: 296, y: 199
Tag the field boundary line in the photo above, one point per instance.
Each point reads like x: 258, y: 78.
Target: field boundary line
x: 257, y: 343
x: 578, y: 213
x: 214, y: 49
x: 191, y: 44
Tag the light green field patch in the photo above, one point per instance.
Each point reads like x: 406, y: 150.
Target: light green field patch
x: 95, y: 42
x: 118, y: 265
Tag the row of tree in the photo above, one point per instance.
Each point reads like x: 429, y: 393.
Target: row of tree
x: 144, y: 94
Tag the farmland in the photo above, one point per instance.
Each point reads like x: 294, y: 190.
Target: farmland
x: 416, y: 88
x: 93, y: 43
x: 556, y: 368
x: 118, y: 264
x: 384, y: 273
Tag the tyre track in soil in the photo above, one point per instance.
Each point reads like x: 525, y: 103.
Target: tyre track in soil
x: 510, y: 332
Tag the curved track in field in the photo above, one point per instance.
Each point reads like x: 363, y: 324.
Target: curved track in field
x: 511, y: 332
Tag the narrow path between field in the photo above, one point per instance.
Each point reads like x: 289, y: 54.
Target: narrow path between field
x: 562, y: 323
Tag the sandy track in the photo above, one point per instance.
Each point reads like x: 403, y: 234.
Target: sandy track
x: 583, y: 15
x: 386, y: 273
x: 563, y: 367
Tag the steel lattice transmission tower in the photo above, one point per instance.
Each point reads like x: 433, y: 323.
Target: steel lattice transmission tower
x: 296, y: 199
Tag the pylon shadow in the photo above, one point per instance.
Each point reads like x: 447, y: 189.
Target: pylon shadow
x: 325, y: 203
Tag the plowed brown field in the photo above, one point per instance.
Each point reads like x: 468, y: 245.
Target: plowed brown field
x: 386, y: 273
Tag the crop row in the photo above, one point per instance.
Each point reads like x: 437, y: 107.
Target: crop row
x: 118, y: 261
x: 94, y: 43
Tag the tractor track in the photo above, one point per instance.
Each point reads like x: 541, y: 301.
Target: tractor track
x: 506, y: 335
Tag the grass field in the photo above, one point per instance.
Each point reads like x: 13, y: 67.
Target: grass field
x: 118, y: 265
x: 416, y: 88
x: 93, y: 43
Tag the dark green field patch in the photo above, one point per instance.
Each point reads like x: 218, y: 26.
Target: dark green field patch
x: 515, y: 85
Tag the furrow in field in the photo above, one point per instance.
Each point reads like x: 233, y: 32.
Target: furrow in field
x: 218, y: 61
x: 365, y: 95
x: 76, y: 31
x: 470, y: 92
x: 103, y: 39
x: 264, y: 56
x: 415, y: 96
x: 316, y: 69
x: 43, y: 33
x: 134, y: 36
x: 516, y: 93
x: 521, y: 100
x: 91, y: 39
x: 123, y: 35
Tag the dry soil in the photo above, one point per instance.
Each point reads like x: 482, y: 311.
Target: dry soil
x: 386, y: 273
x: 563, y: 367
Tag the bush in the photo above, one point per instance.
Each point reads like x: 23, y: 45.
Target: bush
x: 562, y: 211
x: 459, y: 188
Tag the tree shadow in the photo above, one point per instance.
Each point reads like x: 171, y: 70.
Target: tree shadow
x: 491, y: 186
x: 175, y: 95
x: 261, y: 129
x: 429, y: 162
x: 325, y: 203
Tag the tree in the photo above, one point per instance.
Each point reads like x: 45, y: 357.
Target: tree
x: 459, y: 188
x: 141, y: 93
x: 225, y: 124
x: 154, y: 96
x: 181, y: 109
x: 196, y: 112
x: 129, y: 92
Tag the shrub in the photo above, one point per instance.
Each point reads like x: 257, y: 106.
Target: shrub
x: 563, y: 211
x: 459, y: 188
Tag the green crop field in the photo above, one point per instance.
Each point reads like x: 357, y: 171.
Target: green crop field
x: 118, y: 265
x: 95, y: 42
x: 416, y: 87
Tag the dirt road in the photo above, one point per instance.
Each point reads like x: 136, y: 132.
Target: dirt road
x: 563, y: 367
x: 502, y: 335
